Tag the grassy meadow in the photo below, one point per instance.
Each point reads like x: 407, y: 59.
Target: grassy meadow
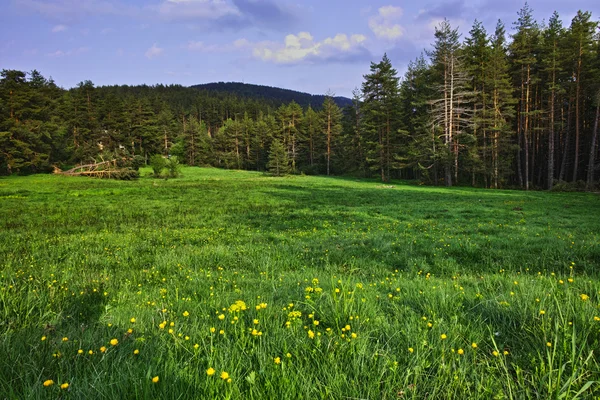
x: 230, y: 284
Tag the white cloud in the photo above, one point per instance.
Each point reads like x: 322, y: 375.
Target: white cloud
x: 383, y: 25
x: 303, y: 47
x: 202, y: 47
x: 59, y: 28
x: 72, y: 52
x: 154, y: 51
x: 195, y: 9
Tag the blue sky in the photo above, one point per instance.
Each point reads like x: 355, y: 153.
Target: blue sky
x: 311, y: 46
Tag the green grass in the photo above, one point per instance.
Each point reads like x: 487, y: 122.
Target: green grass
x: 514, y: 272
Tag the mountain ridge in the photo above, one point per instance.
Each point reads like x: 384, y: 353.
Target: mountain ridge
x: 250, y: 90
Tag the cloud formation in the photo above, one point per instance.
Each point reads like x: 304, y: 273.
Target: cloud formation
x: 303, y: 48
x: 72, y: 52
x: 153, y: 51
x: 59, y: 28
x: 384, y: 24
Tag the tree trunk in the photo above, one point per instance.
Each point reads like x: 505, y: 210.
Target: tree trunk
x: 592, y: 161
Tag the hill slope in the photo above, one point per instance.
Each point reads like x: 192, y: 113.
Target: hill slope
x: 273, y: 93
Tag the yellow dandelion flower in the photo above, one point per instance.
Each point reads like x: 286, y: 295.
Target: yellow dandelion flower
x: 288, y: 355
x: 91, y: 352
x: 429, y: 324
x: 171, y: 331
x: 411, y: 350
x: 136, y: 352
x: 443, y: 336
x: 80, y: 351
x: 65, y: 339
x: 255, y: 322
x: 596, y: 318
x: 43, y: 338
x: 311, y: 334
x: 64, y: 386
x: 172, y: 324
x: 210, y: 372
x: 155, y: 379
x: 49, y: 382
x: 495, y: 353
x: 114, y: 342
x: 277, y: 360
x: 474, y: 345
x: 505, y: 352
x: 354, y: 335
x: 132, y: 320
x: 221, y: 332
x: 102, y: 349
x: 162, y: 325
x: 584, y: 297
x: 224, y: 375
x: 461, y: 351
x: 315, y: 322
x: 130, y: 331
x: 548, y: 344
x: 222, y: 317
x: 542, y: 312
x: 186, y: 314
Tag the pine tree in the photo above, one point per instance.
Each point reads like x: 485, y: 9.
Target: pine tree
x: 380, y: 111
x: 278, y: 159
x: 451, y: 108
x: 332, y: 126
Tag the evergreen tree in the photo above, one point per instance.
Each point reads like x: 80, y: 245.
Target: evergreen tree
x: 279, y: 163
x: 380, y: 116
x: 332, y: 126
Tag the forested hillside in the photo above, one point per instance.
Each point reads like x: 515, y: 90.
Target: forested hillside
x: 495, y: 109
x: 272, y: 94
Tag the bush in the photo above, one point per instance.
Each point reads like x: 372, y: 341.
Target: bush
x: 158, y: 163
x: 173, y: 166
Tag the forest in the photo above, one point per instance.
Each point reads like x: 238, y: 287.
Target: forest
x: 517, y: 107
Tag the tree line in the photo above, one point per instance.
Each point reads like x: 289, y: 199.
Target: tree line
x: 518, y: 109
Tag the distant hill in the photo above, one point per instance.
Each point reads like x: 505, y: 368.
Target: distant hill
x: 271, y: 93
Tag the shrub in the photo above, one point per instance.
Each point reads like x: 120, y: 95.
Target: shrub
x: 158, y: 163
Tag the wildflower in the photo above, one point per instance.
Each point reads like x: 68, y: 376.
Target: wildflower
x: 65, y: 339
x: 354, y: 335
x: 347, y: 327
x: 64, y: 386
x: 155, y: 379
x: 130, y: 331
x: 429, y: 324
x: 49, y: 382
x: 224, y: 375
x: 548, y: 344
x: 288, y: 355
x: 172, y: 324
x: 315, y: 322
x: 210, y: 371
x: 102, y: 349
x: 411, y: 350
x: 91, y: 352
x: 196, y: 346
x: 474, y: 345
x: 132, y: 320
x: 43, y: 338
x: 255, y: 322
x: 495, y: 353
x: 221, y: 332
x: 443, y: 336
x: 461, y: 352
x: 212, y: 330
x: 277, y: 360
x: 596, y: 318
x: 311, y: 334
x: 136, y: 352
x: 162, y: 325
x: 114, y: 342
x: 171, y: 331
x: 186, y: 314
x: 222, y: 317
x: 505, y: 352
x: 542, y: 312
x: 80, y: 351
x: 584, y: 297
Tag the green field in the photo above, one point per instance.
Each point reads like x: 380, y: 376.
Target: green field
x: 295, y: 287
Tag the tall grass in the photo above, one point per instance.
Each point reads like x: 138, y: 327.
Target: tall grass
x: 296, y: 287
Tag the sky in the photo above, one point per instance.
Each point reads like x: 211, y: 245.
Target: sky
x: 312, y: 46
